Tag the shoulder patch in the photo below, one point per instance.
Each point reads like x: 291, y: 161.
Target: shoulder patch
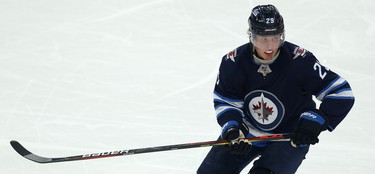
x: 299, y: 52
x: 231, y: 55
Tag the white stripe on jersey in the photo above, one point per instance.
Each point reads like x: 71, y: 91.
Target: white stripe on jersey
x: 338, y: 82
x: 343, y: 94
x: 235, y: 103
x: 220, y: 109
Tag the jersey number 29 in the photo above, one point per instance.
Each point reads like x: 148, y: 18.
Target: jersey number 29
x: 319, y: 68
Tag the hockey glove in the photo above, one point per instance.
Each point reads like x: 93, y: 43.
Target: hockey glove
x: 310, y: 125
x: 235, y: 132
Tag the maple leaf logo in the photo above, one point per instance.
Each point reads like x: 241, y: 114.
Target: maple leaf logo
x: 262, y: 110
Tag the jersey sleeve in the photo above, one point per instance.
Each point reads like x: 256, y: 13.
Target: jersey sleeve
x: 227, y: 100
x: 331, y: 89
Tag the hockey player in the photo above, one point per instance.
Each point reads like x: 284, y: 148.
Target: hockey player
x: 266, y: 87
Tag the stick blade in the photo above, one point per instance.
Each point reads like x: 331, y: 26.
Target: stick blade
x: 27, y: 154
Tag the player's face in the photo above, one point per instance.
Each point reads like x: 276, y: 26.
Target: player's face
x: 267, y: 46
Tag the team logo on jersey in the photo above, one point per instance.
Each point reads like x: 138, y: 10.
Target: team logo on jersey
x: 264, y: 69
x: 264, y: 109
x: 231, y: 55
x: 299, y: 52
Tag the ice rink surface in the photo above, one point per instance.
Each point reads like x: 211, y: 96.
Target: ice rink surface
x: 88, y: 76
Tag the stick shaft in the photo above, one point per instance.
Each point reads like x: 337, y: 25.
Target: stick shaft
x: 39, y: 159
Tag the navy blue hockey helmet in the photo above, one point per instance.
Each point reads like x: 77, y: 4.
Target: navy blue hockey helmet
x: 265, y: 20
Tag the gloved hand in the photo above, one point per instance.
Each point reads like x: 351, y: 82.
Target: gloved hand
x: 235, y: 132
x: 310, y: 125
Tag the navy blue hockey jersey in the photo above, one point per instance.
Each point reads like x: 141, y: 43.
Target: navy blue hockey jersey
x: 271, y: 97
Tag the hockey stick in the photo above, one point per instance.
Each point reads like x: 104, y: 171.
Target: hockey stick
x: 39, y: 159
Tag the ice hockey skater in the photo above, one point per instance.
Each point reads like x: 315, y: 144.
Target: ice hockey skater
x: 266, y: 86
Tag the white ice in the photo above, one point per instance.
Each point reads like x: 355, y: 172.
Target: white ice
x: 88, y: 76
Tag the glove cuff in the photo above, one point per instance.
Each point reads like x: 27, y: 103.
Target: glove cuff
x: 315, y: 116
x: 233, y: 130
x: 313, y: 121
